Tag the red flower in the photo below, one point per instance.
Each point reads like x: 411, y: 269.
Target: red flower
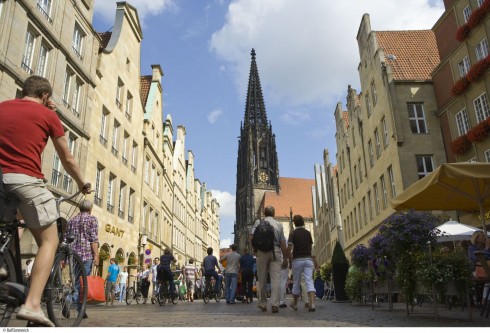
x: 479, y: 132
x: 460, y: 86
x: 463, y: 32
x: 478, y: 70
x: 460, y: 145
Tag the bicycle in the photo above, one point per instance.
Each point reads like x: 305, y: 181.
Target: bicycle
x: 164, y: 294
x: 67, y: 274
x: 209, y: 291
x: 134, y: 293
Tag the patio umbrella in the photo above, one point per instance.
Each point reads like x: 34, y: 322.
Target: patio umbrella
x: 452, y: 186
x: 455, y: 231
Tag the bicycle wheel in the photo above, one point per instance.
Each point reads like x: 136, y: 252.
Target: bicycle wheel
x: 8, y: 303
x: 68, y: 278
x: 205, y: 294
x: 129, y: 295
x: 162, y: 292
x: 139, y: 297
x: 175, y: 298
x: 217, y: 296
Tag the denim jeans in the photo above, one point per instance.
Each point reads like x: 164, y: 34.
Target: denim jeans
x: 88, y: 269
x: 230, y: 286
x: 122, y: 291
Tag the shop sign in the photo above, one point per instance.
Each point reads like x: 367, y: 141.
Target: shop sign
x: 113, y: 230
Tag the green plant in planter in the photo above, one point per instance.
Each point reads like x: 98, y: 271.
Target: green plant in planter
x: 443, y: 269
x: 119, y: 258
x: 353, y: 285
x: 340, y: 266
x: 131, y: 261
x: 326, y: 271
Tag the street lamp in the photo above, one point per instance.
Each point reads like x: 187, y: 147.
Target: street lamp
x: 144, y: 240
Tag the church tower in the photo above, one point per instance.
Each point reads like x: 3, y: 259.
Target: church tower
x: 257, y: 165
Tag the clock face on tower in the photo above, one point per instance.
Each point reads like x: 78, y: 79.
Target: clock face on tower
x: 263, y: 177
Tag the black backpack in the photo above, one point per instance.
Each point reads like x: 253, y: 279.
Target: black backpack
x: 263, y: 237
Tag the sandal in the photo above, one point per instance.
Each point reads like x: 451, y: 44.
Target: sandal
x: 36, y: 317
x: 293, y: 306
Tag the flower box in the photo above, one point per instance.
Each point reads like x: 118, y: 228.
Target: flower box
x: 460, y: 86
x: 474, y: 20
x: 479, y: 132
x: 460, y: 145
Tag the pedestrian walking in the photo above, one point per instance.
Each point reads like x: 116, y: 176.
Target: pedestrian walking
x: 269, y: 261
x: 190, y: 272
x: 301, y: 242
x: 154, y: 283
x: 110, y: 282
x: 84, y: 228
x: 247, y: 262
x: 123, y: 279
x: 145, y: 283
x: 231, y: 274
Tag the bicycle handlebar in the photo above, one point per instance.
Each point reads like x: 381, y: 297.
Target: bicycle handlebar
x: 62, y: 199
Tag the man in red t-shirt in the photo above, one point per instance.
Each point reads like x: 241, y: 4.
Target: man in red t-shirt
x: 25, y: 126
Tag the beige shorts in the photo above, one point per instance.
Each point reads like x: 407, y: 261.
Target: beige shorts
x: 37, y: 203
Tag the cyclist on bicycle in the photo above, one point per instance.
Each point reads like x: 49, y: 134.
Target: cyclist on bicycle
x: 26, y: 125
x: 209, y: 263
x: 164, y: 271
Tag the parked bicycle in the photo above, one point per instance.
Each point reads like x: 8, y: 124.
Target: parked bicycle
x: 63, y: 290
x: 209, y: 291
x: 134, y: 293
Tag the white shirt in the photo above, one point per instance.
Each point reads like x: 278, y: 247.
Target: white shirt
x: 154, y: 273
x: 123, y: 277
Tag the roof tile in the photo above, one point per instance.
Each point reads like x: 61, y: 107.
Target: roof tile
x: 295, y: 194
x: 145, y: 83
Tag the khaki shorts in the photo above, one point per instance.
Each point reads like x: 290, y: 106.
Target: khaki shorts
x: 37, y: 203
x: 110, y: 287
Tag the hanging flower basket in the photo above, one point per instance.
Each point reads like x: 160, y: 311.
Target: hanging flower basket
x: 463, y: 32
x: 479, y: 132
x: 460, y: 145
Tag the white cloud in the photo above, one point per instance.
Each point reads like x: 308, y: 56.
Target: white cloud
x: 214, y: 115
x: 307, y: 50
x: 225, y: 243
x: 226, y: 204
x: 107, y: 8
x: 295, y: 117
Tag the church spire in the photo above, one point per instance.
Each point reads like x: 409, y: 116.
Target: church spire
x: 255, y: 114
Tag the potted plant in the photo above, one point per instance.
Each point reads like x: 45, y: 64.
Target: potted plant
x: 460, y: 145
x: 479, y: 132
x: 340, y: 266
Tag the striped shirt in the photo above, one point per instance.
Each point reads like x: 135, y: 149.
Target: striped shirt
x: 84, y: 227
x: 190, y: 273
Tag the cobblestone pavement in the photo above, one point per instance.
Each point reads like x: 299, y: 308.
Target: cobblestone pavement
x: 327, y: 314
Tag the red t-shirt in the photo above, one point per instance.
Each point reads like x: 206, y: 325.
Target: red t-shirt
x: 25, y: 127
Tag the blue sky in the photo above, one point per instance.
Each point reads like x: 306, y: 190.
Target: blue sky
x: 307, y: 55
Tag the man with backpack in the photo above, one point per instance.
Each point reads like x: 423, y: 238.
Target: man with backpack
x: 269, y: 243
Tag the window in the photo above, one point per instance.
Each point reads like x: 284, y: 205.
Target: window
x: 355, y: 176
x: 383, y: 189
x: 119, y: 93
x: 115, y: 138
x: 75, y: 108
x: 370, y: 202
x: 56, y: 174
x: 481, y: 107
x: 466, y: 13
x: 66, y: 88
x: 425, y: 165
x: 122, y: 199
x: 479, y: 2
x: 392, y: 182
x: 464, y: 66
x: 134, y: 157
x: 144, y: 217
x: 125, y: 148
x: 150, y: 224
x: 462, y: 122
x: 152, y: 176
x: 368, y: 106
x: 44, y: 6
x: 110, y: 193
x: 129, y: 106
x: 417, y: 118
x: 28, y: 52
x: 364, y: 210
x: 42, y: 61
x: 77, y: 42
x: 481, y: 49
x: 371, y: 153
x: 487, y: 156
x: 157, y: 184
x: 376, y: 198
x: 99, y: 178
x: 155, y: 226
x: 67, y: 180
x: 374, y: 94
x: 360, y: 170
x: 378, y: 143
x: 131, y: 205
x: 103, y: 127
x: 385, y: 132
x: 147, y: 170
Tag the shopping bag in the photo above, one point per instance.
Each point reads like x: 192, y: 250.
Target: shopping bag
x: 95, y: 289
x: 480, y: 270
x: 182, y: 289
